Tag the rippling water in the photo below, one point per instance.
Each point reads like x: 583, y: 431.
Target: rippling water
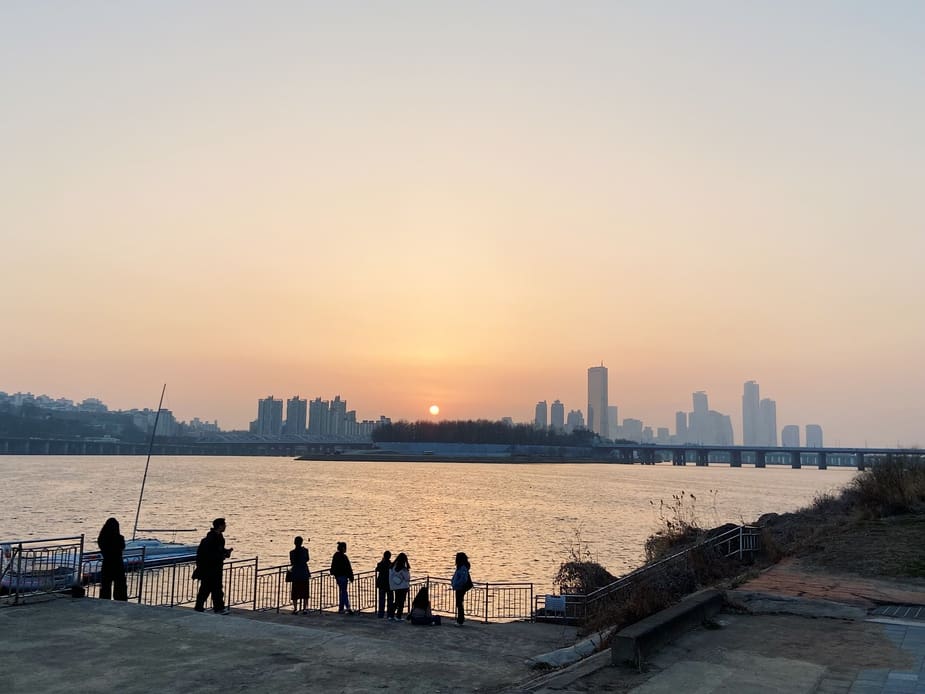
x: 516, y: 522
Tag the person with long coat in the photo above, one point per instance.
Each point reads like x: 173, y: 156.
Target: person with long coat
x: 300, y: 576
x: 112, y: 571
x: 210, y: 556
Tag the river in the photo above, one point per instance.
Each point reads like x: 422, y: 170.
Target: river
x: 517, y: 522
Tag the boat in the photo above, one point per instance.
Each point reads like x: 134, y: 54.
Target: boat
x: 144, y: 551
x: 36, y: 574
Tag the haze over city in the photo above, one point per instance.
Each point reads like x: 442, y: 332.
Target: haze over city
x: 409, y: 205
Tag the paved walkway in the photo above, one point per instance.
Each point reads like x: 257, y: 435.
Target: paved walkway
x: 789, y: 578
x: 66, y: 645
x: 787, y: 644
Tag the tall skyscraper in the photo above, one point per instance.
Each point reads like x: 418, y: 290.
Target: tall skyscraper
x: 597, y: 401
x: 269, y: 416
x: 557, y: 416
x: 680, y: 426
x: 813, y: 436
x: 750, y: 415
x: 613, y: 426
x: 296, y: 416
x: 540, y: 420
x: 790, y: 436
x: 767, y: 423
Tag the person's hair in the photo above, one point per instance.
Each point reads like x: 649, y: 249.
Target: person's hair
x: 298, y: 540
x: 110, y: 529
x: 422, y: 599
x: 386, y: 555
x: 217, y: 522
x: 341, y: 546
x: 401, y: 562
x: 462, y: 560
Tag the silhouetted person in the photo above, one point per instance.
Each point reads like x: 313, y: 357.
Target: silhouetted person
x: 300, y: 575
x: 112, y: 569
x: 461, y: 583
x: 420, y: 609
x: 343, y: 574
x: 383, y: 590
x: 209, y: 559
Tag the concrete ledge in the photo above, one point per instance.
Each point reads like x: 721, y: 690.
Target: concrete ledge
x: 634, y: 643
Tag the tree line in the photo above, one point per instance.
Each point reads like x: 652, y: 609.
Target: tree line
x: 480, y: 431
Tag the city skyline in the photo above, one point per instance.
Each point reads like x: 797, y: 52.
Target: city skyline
x: 465, y: 206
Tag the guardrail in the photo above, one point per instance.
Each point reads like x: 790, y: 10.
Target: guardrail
x: 38, y: 567
x: 249, y: 585
x: 739, y: 542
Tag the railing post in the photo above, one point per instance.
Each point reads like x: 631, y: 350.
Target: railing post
x: 141, y: 574
x: 173, y: 584
x: 486, y: 603
x: 228, y: 593
x: 256, y: 562
x: 18, y: 575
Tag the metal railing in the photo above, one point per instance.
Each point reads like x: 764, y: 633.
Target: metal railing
x: 739, y: 542
x: 486, y: 602
x: 38, y: 567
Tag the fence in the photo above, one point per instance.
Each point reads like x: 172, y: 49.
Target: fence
x: 486, y: 602
x: 38, y: 567
x: 740, y: 542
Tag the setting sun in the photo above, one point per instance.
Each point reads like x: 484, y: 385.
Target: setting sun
x: 434, y: 410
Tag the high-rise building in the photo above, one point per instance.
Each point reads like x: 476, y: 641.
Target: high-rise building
x: 790, y: 436
x: 269, y: 416
x: 612, y: 424
x: 632, y: 429
x: 338, y: 410
x: 319, y: 417
x: 540, y: 419
x: 750, y: 416
x: 597, y: 401
x: 557, y: 416
x: 296, y: 416
x: 813, y: 436
x: 767, y: 422
x: 680, y: 426
x: 575, y: 420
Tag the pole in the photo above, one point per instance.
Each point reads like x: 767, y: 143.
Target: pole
x: 148, y: 461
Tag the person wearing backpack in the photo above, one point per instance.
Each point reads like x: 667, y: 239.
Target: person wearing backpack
x: 461, y: 583
x: 400, y: 583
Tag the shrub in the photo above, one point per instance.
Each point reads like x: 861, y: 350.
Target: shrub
x: 889, y: 488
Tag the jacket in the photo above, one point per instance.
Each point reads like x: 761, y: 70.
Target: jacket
x: 400, y: 579
x: 211, y: 553
x: 460, y: 580
x: 340, y: 566
x: 382, y: 574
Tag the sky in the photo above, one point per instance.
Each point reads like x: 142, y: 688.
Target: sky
x: 468, y: 204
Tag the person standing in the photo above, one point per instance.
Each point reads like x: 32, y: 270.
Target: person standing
x: 300, y: 575
x: 383, y: 589
x: 461, y: 583
x: 343, y: 574
x: 112, y: 569
x: 210, y: 556
x: 400, y: 582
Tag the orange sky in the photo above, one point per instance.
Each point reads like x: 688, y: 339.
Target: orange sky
x: 468, y: 207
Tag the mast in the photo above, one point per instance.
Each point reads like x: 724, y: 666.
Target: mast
x: 148, y: 461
